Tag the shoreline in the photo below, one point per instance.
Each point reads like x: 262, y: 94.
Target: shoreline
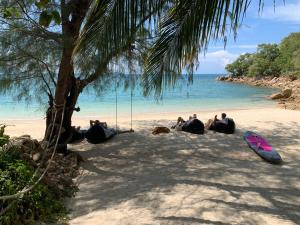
x: 149, y: 114
x: 287, y: 96
x: 36, y: 127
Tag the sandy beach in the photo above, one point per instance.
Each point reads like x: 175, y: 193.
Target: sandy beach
x: 181, y: 178
x: 36, y: 127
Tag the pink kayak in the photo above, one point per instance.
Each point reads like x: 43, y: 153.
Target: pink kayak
x: 262, y: 147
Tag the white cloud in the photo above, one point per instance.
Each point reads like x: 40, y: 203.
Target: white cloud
x: 288, y: 12
x: 222, y: 56
x: 215, y: 62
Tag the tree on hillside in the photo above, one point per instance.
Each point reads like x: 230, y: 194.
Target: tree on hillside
x: 241, y: 65
x: 60, y: 47
x: 265, y: 61
x: 262, y: 63
x: 290, y: 53
x: 270, y: 59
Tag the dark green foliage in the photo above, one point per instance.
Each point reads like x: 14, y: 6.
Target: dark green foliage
x: 265, y: 61
x: 290, y: 53
x: 40, y: 204
x: 270, y: 59
x: 3, y: 137
x: 45, y: 19
x: 42, y: 3
x: 9, y: 12
x: 56, y: 17
x: 240, y: 66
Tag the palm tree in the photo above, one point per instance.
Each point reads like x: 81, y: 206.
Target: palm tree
x: 85, y: 37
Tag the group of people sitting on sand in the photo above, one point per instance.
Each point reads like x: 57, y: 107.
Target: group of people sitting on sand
x: 100, y: 132
x: 193, y: 125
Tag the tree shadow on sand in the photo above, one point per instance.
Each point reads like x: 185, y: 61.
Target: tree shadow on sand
x: 212, y: 171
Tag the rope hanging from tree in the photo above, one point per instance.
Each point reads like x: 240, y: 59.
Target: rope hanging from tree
x: 131, y: 104
x: 131, y: 96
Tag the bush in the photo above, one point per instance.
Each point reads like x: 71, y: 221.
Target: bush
x: 3, y: 138
x: 41, y: 203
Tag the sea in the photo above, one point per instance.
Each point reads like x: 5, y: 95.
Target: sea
x: 203, y: 94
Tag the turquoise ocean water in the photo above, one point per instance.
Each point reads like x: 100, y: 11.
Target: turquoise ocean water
x: 205, y: 93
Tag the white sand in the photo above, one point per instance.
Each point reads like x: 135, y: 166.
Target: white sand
x: 36, y: 127
x: 181, y: 178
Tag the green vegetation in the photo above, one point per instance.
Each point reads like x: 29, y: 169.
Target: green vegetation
x: 3, y: 137
x: 270, y: 59
x: 42, y: 203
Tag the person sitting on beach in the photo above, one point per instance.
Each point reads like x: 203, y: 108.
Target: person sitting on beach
x: 223, y: 125
x: 193, y: 125
x: 180, y: 122
x: 99, y: 132
x: 224, y: 118
x: 210, y: 122
x: 94, y: 122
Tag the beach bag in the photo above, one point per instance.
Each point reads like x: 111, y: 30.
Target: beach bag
x: 226, y: 126
x: 159, y: 130
x: 97, y: 134
x: 193, y: 126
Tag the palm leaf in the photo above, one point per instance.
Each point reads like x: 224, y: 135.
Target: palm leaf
x: 185, y: 31
x: 183, y: 28
x: 112, y: 24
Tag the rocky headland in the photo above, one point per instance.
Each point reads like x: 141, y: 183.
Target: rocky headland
x: 288, y: 95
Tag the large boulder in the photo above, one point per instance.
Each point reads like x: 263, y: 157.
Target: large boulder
x: 221, y: 78
x: 287, y: 92
x: 276, y: 96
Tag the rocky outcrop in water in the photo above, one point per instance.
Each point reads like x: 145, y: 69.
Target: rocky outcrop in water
x: 288, y: 97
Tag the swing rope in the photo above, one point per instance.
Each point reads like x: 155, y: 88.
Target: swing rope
x: 116, y: 91
x: 131, y: 96
x: 131, y: 105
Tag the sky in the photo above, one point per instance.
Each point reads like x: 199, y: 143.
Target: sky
x: 269, y: 26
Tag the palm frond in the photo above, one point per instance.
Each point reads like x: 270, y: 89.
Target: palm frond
x: 111, y: 25
x: 185, y: 31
